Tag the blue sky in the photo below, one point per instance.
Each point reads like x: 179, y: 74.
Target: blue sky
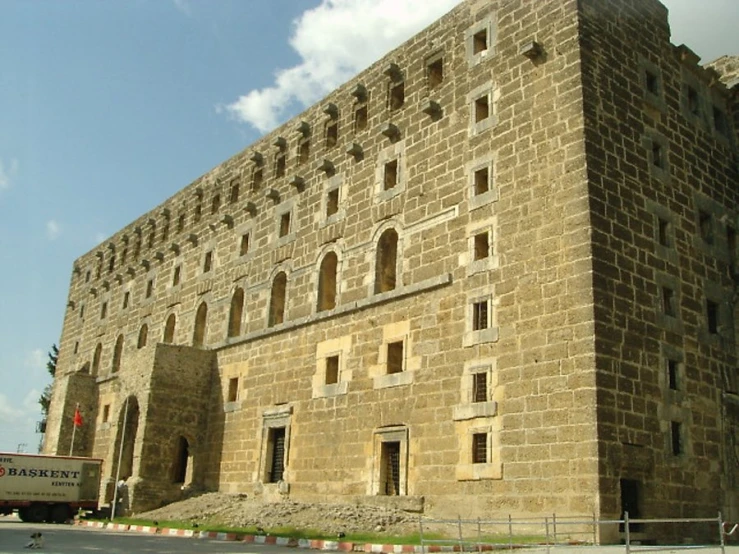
x: 108, y: 108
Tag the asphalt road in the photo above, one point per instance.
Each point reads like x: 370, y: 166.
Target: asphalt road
x: 14, y: 535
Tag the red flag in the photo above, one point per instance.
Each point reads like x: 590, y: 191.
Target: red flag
x: 77, y: 417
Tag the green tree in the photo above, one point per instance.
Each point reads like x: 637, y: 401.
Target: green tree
x: 45, y: 398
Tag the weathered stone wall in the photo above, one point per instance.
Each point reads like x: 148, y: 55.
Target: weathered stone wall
x: 659, y: 169
x: 522, y: 308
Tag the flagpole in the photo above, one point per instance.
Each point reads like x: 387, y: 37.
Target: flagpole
x: 120, y: 457
x: 74, y: 427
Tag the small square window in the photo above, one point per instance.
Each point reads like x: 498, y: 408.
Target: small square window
x: 233, y: 197
x: 479, y: 387
x: 304, y: 151
x: 480, y: 315
x: 397, y: 96
x: 391, y: 175
x: 482, y: 246
x: 103, y: 310
x: 332, y: 370
x: 693, y: 100
x: 482, y: 108
x: 332, y: 134
x: 668, y: 301
x: 208, y: 261
x: 257, y: 179
x: 360, y: 118
x: 176, y: 276
x: 705, y: 223
x: 663, y: 231
x: 479, y: 448
x: 233, y: 389
x: 435, y: 73
x: 285, y: 224
x: 395, y: 357
x: 149, y: 288
x: 215, y: 204
x: 480, y: 41
x: 106, y: 413
x: 332, y: 202
x: 672, y: 374
x: 482, y: 181
x: 712, y: 316
x: 676, y: 438
x: 280, y: 165
x: 244, y: 246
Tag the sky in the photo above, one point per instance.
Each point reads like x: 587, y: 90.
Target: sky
x: 108, y: 108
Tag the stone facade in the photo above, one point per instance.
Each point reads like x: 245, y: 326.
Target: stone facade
x: 497, y: 270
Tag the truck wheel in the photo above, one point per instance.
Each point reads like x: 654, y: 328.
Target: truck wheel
x: 60, y: 513
x: 23, y: 514
x: 37, y: 513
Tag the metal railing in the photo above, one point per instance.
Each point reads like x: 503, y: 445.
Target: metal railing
x: 575, y: 533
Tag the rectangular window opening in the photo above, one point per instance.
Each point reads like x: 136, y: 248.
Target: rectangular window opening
x: 332, y: 202
x: 482, y: 181
x: 332, y: 370
x: 731, y: 242
x: 244, y: 246
x: 257, y: 179
x: 234, y: 196
x: 395, y: 357
x: 705, y: 224
x: 668, y: 301
x: 672, y: 374
x: 675, y: 438
x: 176, y: 276
x: 276, y: 451
x: 332, y: 134
x: 126, y: 299
x: 719, y: 121
x: 480, y: 315
x: 106, y: 413
x: 482, y: 246
x: 280, y: 166
x: 233, y: 389
x: 208, y: 262
x: 712, y: 316
x: 285, y: 224
x: 304, y: 152
x: 482, y: 108
x: 391, y: 175
x: 397, y: 96
x: 181, y: 223
x: 652, y: 82
x: 663, y: 231
x: 360, y: 118
x: 658, y: 155
x: 479, y: 448
x: 480, y: 387
x: 149, y: 288
x: 104, y: 310
x: 693, y: 101
x: 480, y: 41
x: 215, y: 204
x: 435, y: 73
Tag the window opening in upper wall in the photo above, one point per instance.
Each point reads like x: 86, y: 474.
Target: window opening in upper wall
x: 143, y: 336
x: 435, y: 72
x: 672, y: 374
x: 482, y: 246
x: 668, y: 301
x: 304, y: 151
x: 244, y: 246
x: 482, y: 108
x: 327, y: 282
x: 117, y: 354
x: 663, y: 231
x: 126, y: 299
x: 280, y: 164
x: 658, y: 155
x: 676, y: 442
x: 720, y: 122
x: 332, y: 370
x: 176, y: 275
x: 395, y: 357
x: 277, y: 300
x: 233, y: 389
x: 332, y: 202
x: 360, y: 118
x: 693, y: 101
x: 332, y: 134
x: 482, y: 181
x: 712, y: 316
x: 208, y: 261
x: 397, y: 95
x: 169, y: 328
x: 181, y: 223
x: 215, y: 203
x: 480, y: 41
x: 233, y: 196
x: 385, y: 262
x: 257, y: 178
x: 480, y: 315
x: 149, y: 288
x: 479, y: 448
x: 480, y: 387
x: 235, y: 313
x: 391, y: 175
x: 705, y: 223
x: 198, y: 336
x: 284, y: 224
x: 652, y: 82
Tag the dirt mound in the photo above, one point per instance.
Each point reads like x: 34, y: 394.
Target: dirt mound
x: 236, y: 510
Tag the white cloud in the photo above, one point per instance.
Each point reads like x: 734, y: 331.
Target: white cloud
x: 7, y: 172
x: 52, y: 229
x: 335, y: 41
x: 36, y: 359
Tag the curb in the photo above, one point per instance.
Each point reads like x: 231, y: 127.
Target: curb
x: 311, y: 544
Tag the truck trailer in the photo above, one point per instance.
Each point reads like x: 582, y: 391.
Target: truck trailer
x: 48, y: 488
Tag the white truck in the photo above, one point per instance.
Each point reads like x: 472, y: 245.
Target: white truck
x: 48, y: 488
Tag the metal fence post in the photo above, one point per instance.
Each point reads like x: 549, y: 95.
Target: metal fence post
x: 420, y: 534
x: 479, y: 535
x: 510, y: 532
x: 626, y: 529
x: 461, y: 540
x: 546, y: 526
x: 554, y: 527
x: 721, y: 532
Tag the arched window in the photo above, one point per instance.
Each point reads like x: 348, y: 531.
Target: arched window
x: 169, y: 329
x: 387, y: 254
x: 234, y: 315
x: 117, y: 352
x: 277, y: 300
x: 96, y: 359
x: 327, y: 283
x: 143, y: 334
x: 198, y: 335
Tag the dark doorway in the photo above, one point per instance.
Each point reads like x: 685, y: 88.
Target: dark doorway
x: 276, y: 466
x: 390, y: 468
x: 631, y: 502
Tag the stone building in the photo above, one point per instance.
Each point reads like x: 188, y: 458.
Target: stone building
x: 497, y: 269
